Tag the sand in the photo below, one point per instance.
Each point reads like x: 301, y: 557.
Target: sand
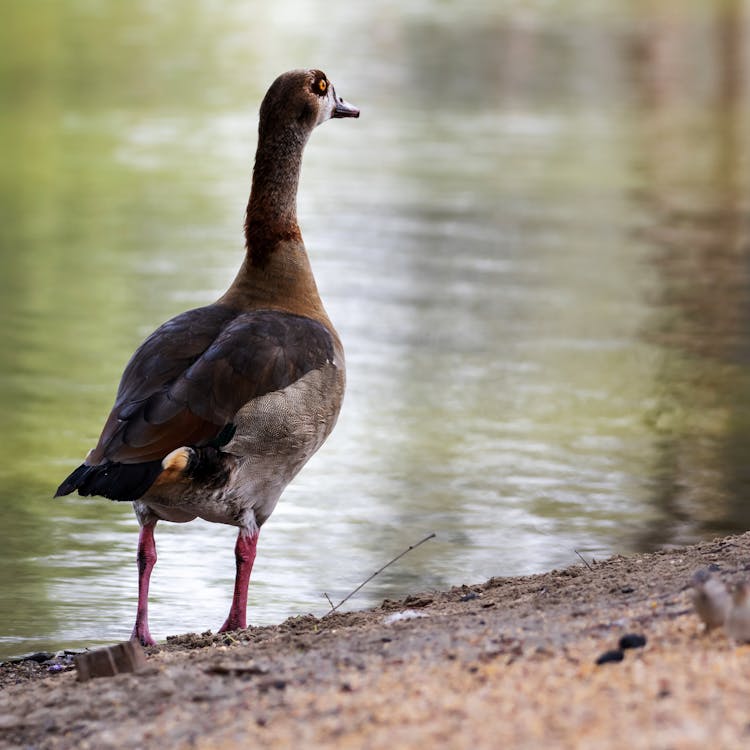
x: 510, y: 662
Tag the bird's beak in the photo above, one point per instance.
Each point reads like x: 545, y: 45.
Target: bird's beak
x: 344, y: 109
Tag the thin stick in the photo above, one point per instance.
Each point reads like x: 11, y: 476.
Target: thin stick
x: 329, y: 600
x: 377, y: 572
x: 583, y: 559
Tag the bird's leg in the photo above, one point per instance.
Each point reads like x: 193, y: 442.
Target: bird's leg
x: 244, y: 553
x: 146, y: 559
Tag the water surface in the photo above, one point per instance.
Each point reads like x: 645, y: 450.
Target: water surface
x: 534, y: 244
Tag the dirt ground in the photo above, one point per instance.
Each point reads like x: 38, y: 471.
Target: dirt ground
x: 505, y: 663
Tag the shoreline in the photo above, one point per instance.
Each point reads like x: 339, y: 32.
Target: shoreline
x: 510, y: 660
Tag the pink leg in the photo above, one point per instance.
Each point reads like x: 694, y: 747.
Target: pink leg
x: 244, y: 552
x: 146, y: 559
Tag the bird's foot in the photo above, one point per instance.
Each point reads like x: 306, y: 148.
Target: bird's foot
x: 233, y: 622
x: 141, y: 634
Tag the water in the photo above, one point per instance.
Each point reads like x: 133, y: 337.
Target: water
x: 534, y: 243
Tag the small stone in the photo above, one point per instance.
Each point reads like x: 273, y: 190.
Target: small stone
x: 610, y: 656
x: 710, y: 598
x: 107, y: 662
x: 38, y: 656
x: 407, y: 614
x: 270, y: 683
x: 632, y: 640
x: 468, y: 597
x: 237, y: 669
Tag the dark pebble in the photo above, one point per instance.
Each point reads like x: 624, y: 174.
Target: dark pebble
x: 632, y: 640
x: 627, y: 590
x: 608, y: 656
x: 38, y: 656
x: 468, y: 597
x: 265, y: 685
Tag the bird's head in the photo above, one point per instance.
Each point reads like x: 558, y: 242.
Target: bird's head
x: 300, y: 100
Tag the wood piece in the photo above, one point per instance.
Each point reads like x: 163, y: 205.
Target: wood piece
x: 109, y: 661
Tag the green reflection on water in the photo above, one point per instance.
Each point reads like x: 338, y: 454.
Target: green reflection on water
x: 534, y: 242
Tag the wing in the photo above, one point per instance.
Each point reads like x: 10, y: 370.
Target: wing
x: 182, y: 389
x: 186, y: 382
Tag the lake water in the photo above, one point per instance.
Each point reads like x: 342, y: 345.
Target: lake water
x: 534, y: 243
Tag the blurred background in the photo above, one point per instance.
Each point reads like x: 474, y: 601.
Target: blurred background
x: 534, y: 243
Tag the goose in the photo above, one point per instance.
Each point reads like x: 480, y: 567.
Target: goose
x: 221, y: 406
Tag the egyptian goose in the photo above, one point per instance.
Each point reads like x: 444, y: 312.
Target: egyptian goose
x: 221, y: 406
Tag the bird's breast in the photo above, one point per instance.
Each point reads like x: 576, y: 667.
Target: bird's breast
x: 290, y: 424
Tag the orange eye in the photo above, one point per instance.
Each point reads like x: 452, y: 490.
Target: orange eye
x: 322, y: 85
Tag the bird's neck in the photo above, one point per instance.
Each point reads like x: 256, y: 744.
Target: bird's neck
x: 276, y: 272
x: 271, y: 214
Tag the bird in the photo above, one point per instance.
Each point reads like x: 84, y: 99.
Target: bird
x: 738, y: 619
x: 221, y: 406
x: 710, y: 599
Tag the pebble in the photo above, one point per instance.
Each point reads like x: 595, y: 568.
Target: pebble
x: 610, y: 656
x: 710, y: 598
x: 632, y: 640
x: 38, y: 656
x: 407, y: 614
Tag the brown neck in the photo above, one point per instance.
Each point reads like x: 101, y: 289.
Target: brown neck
x: 271, y: 214
x: 276, y: 272
x: 285, y: 282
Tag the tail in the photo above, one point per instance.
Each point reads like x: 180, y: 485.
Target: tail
x: 126, y: 482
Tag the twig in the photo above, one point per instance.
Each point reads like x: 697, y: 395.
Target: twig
x: 329, y: 600
x: 377, y: 572
x: 583, y: 559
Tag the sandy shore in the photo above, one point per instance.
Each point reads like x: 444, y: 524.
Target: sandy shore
x: 506, y: 663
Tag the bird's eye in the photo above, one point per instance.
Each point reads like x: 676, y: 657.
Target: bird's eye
x: 322, y: 86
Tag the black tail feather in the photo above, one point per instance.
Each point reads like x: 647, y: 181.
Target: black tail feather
x: 73, y: 481
x: 126, y: 482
